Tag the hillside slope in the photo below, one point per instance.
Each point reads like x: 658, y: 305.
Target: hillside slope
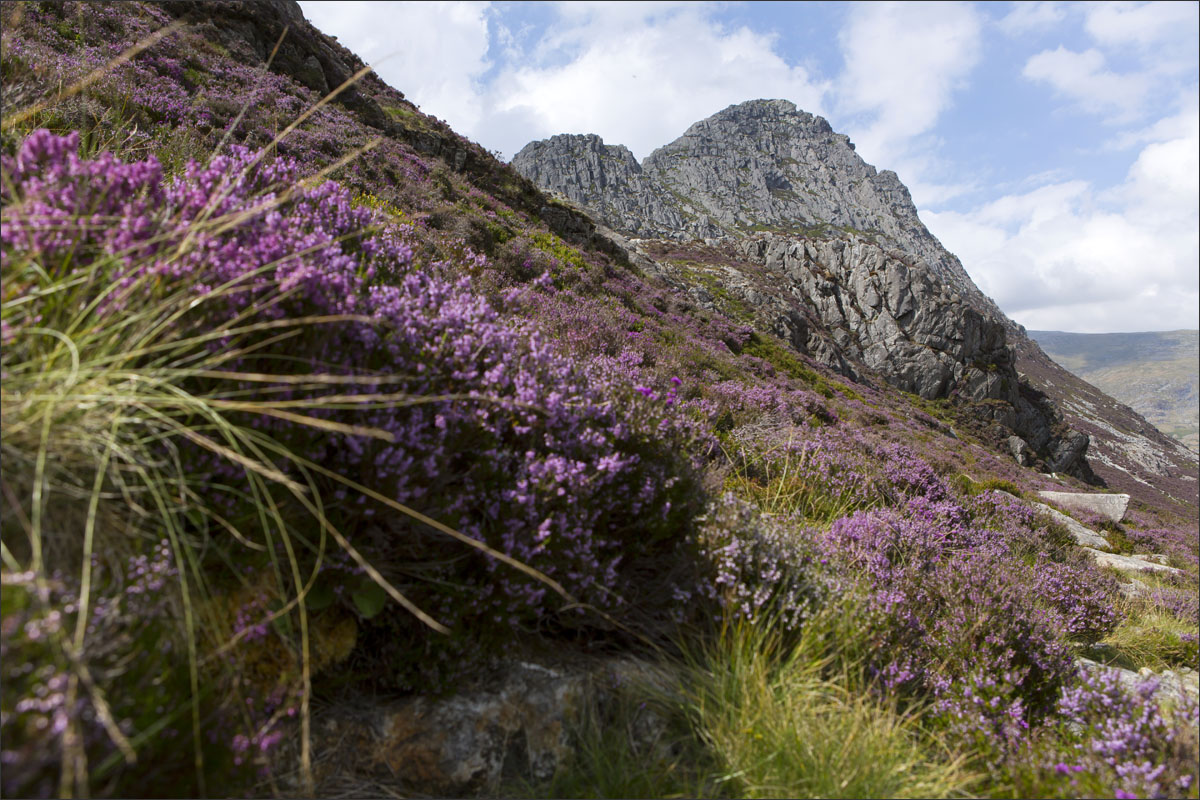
x: 339, y: 459
x: 831, y: 255
x: 1155, y: 373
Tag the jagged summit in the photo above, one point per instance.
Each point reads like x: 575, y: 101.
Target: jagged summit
x: 829, y: 253
x: 762, y: 165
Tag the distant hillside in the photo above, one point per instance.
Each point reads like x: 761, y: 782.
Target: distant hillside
x: 1155, y: 373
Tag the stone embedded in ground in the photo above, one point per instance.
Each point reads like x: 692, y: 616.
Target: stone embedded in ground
x: 517, y: 727
x: 1138, y: 563
x: 1170, y: 683
x: 1110, y: 506
x: 1083, y: 535
x: 1133, y: 588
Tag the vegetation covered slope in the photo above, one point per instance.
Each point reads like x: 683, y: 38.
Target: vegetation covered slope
x: 1155, y: 373
x: 306, y: 397
x: 831, y: 254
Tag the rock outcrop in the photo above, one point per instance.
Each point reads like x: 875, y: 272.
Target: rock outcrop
x: 760, y: 165
x: 824, y: 251
x: 889, y: 313
x: 1084, y: 536
x: 1109, y: 506
x: 523, y: 725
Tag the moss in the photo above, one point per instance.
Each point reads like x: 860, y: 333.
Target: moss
x: 769, y: 350
x: 553, y: 246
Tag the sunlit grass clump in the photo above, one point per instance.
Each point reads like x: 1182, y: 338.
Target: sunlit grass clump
x: 754, y: 714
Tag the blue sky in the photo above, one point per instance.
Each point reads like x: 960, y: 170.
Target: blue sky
x: 1051, y: 146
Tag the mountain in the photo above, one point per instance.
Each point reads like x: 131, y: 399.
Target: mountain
x: 1155, y: 373
x: 763, y: 210
x: 341, y: 459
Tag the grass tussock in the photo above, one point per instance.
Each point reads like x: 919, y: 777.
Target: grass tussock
x: 1152, y: 637
x: 799, y: 721
x: 753, y: 715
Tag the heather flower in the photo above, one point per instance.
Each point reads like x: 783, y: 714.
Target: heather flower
x: 1127, y: 738
x: 555, y: 463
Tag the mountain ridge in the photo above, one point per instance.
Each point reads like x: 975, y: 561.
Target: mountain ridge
x: 762, y: 178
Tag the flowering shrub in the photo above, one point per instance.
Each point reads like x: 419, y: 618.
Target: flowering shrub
x: 1126, y: 738
x: 762, y: 565
x: 958, y: 614
x: 544, y: 459
x: 558, y: 421
x: 543, y: 464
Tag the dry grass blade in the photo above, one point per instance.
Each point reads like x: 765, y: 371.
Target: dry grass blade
x: 95, y: 75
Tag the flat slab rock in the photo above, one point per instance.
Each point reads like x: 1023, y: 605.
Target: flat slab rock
x: 1084, y: 535
x: 1141, y: 562
x: 1110, y: 506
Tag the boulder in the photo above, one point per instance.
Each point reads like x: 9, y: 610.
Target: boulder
x: 1084, y: 536
x: 1136, y: 563
x: 1021, y: 451
x: 1110, y: 506
x: 519, y: 725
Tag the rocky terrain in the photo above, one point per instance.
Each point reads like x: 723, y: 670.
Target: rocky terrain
x: 341, y: 459
x: 1155, y: 373
x: 786, y: 222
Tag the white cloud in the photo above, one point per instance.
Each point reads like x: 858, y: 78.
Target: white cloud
x: 903, y: 63
x: 1067, y: 257
x: 1176, y: 126
x: 638, y: 75
x: 1027, y: 17
x: 438, y: 71
x: 1141, y: 24
x: 1083, y: 78
x: 1154, y: 44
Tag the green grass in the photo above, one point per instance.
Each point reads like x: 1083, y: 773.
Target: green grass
x: 972, y: 488
x: 1150, y: 636
x: 799, y: 722
x: 751, y: 715
x: 786, y: 486
x: 769, y: 349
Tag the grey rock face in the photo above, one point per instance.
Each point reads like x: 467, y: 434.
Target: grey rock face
x: 607, y: 180
x: 1020, y: 451
x: 889, y: 314
x: 521, y: 726
x: 760, y: 165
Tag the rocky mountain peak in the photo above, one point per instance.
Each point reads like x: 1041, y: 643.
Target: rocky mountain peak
x: 832, y: 255
x: 764, y: 212
x: 761, y: 165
